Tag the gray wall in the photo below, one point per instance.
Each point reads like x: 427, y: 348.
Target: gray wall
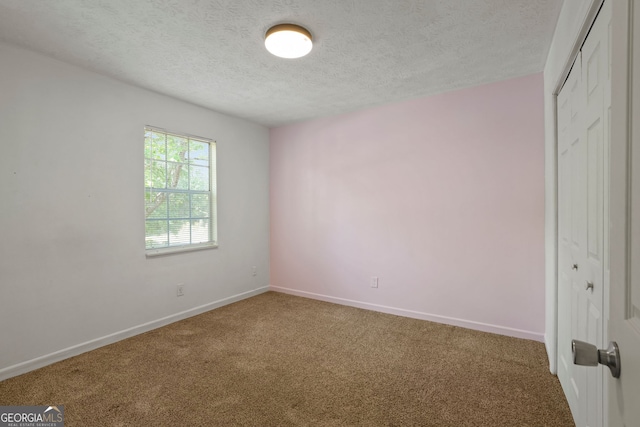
x: 73, y: 271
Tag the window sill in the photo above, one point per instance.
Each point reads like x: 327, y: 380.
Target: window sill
x: 151, y: 253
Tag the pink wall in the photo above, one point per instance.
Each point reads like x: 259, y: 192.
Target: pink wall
x: 442, y: 198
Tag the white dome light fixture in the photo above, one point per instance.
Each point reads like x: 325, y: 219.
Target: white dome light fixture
x: 288, y: 41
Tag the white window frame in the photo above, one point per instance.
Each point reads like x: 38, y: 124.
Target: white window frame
x: 212, y: 243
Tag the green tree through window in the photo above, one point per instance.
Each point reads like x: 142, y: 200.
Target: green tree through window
x: 179, y: 183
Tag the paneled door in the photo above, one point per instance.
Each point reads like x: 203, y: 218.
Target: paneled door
x: 624, y: 392
x: 571, y: 197
x: 583, y: 141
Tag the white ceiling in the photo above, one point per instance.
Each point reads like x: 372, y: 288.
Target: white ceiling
x: 366, y: 52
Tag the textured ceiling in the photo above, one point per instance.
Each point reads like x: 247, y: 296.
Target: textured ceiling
x: 366, y: 52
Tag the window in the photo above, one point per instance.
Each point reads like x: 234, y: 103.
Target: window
x: 179, y: 192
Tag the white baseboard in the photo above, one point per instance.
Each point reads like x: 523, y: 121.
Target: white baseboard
x: 551, y: 352
x: 75, y: 350
x: 469, y: 324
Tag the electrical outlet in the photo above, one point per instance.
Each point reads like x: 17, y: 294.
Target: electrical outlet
x: 180, y: 291
x: 254, y: 271
x: 374, y: 282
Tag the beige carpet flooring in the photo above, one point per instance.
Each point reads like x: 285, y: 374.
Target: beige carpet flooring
x: 280, y: 360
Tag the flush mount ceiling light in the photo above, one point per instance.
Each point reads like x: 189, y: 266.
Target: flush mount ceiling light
x: 288, y: 41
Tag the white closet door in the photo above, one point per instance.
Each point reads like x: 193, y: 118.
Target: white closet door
x: 583, y: 142
x: 571, y: 196
x: 595, y: 78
